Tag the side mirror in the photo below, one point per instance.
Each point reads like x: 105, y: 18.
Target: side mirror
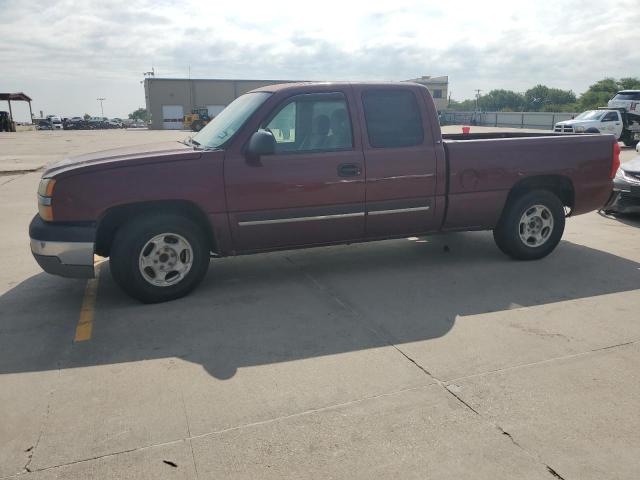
x: 261, y: 143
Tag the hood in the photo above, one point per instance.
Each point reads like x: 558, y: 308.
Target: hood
x: 576, y: 122
x: 632, y: 165
x: 125, y: 156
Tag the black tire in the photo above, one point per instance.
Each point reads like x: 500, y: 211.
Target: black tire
x: 507, y: 233
x: 628, y: 140
x: 196, y: 126
x: 127, y: 247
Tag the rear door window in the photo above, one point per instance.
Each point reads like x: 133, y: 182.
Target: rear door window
x: 393, y: 118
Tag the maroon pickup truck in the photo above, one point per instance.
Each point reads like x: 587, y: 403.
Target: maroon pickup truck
x: 307, y: 164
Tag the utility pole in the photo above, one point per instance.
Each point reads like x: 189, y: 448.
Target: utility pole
x: 101, y: 99
x: 477, y: 98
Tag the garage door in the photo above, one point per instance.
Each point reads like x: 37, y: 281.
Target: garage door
x: 214, y: 110
x: 172, y: 116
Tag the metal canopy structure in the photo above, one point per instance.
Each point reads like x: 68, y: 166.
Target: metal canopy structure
x: 16, y: 97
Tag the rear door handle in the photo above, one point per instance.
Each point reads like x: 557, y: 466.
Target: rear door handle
x: 349, y: 170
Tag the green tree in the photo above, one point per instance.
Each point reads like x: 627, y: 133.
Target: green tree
x: 598, y: 94
x: 603, y: 90
x: 139, y: 114
x: 463, y: 106
x: 86, y: 116
x: 540, y: 97
x: 557, y: 96
x: 501, y: 100
x: 629, y: 83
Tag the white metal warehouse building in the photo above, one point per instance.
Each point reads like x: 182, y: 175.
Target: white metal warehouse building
x: 169, y: 99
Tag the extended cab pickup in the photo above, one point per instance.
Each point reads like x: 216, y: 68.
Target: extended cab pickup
x: 310, y: 164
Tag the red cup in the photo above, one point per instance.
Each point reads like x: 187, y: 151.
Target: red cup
x: 466, y: 130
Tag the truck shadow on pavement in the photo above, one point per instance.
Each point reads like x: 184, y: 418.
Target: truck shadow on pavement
x: 287, y: 306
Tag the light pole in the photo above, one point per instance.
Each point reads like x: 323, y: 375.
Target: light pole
x: 101, y: 109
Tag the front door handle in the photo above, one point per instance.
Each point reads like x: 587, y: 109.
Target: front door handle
x: 349, y: 170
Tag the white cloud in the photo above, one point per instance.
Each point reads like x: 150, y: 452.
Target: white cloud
x: 65, y: 54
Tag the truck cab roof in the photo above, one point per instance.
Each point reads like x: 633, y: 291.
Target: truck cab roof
x: 303, y: 86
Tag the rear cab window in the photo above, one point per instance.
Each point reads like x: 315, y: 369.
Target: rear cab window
x: 392, y: 118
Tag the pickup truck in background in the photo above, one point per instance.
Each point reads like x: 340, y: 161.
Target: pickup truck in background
x: 309, y: 164
x: 623, y: 125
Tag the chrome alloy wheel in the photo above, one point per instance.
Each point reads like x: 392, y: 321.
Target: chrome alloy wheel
x: 536, y: 225
x: 165, y: 259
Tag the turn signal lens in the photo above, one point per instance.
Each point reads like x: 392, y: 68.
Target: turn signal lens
x: 615, y: 162
x: 46, y: 187
x: 45, y: 192
x: 45, y: 212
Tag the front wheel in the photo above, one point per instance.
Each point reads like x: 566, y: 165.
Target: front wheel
x: 531, y: 226
x: 159, y: 257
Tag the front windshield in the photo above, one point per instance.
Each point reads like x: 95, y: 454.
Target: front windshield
x: 590, y: 115
x: 228, y: 122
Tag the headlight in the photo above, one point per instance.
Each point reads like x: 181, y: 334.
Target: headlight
x: 579, y: 129
x: 45, y: 192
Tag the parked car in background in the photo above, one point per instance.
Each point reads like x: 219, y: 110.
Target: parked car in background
x: 303, y: 165
x: 76, y: 123
x: 626, y: 188
x: 135, y: 123
x: 56, y: 122
x: 626, y: 99
x: 115, y: 123
x: 628, y: 102
x: 96, y: 123
x: 44, y: 125
x: 5, y: 122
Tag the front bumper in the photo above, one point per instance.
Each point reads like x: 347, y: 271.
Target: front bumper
x: 625, y: 197
x: 65, y: 250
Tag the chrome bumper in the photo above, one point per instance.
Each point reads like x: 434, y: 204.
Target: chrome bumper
x: 57, y: 253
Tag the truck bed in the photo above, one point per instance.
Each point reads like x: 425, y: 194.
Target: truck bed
x: 493, y: 135
x: 484, y: 167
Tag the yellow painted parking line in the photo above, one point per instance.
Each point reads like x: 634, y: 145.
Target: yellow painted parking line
x: 84, y: 328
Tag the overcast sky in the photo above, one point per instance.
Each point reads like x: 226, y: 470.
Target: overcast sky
x: 65, y: 54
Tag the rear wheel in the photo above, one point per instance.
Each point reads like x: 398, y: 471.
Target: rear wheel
x: 159, y: 258
x: 531, y: 226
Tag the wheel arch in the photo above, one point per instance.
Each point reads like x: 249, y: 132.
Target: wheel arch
x: 113, y: 218
x: 559, y: 185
